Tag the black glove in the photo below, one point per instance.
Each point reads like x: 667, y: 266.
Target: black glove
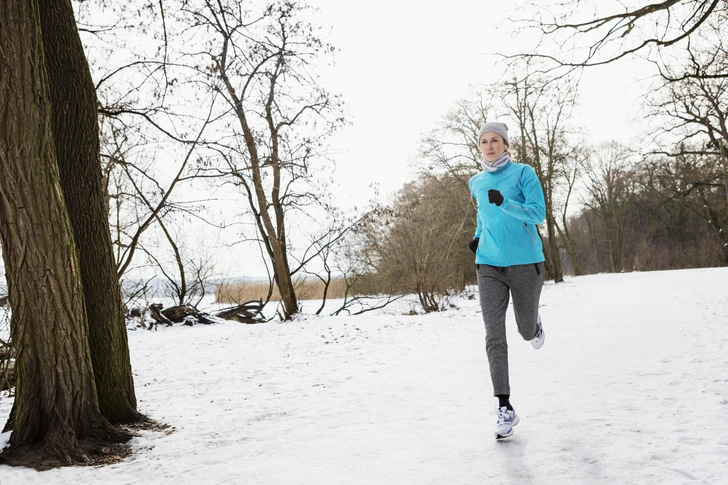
x: 495, y: 197
x: 473, y: 245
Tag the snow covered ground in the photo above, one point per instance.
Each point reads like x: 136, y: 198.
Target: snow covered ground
x: 631, y: 387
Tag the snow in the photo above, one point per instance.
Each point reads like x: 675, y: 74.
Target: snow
x: 631, y: 387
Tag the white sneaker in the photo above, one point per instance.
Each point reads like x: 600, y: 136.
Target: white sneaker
x: 540, y: 337
x: 506, y: 421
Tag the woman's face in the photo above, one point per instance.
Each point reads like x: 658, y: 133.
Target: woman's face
x: 492, y: 146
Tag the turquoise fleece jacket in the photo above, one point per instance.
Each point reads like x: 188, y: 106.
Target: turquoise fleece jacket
x: 508, y: 233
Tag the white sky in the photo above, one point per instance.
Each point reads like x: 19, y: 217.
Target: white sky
x: 402, y: 65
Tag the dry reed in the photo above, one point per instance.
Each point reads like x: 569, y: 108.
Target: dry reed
x: 241, y: 291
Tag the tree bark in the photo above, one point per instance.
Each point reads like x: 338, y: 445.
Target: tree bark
x: 55, y: 403
x: 76, y: 135
x: 553, y: 255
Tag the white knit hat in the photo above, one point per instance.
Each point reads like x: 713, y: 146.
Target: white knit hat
x: 499, y: 128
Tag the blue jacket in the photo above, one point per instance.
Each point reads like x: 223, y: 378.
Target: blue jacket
x: 508, y: 233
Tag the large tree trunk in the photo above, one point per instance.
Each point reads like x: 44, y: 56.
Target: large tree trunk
x: 76, y: 135
x: 282, y: 274
x: 55, y: 403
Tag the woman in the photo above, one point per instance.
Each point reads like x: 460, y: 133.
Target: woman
x: 509, y: 257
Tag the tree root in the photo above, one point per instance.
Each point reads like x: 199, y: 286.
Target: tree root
x: 106, y: 444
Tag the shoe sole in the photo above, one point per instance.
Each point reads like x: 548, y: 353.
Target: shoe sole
x: 501, y: 437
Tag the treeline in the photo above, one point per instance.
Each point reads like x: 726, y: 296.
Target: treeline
x: 663, y: 213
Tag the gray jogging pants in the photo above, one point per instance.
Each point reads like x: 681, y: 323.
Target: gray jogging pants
x: 524, y: 283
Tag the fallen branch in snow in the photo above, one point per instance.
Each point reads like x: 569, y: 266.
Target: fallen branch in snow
x: 361, y: 301
x: 248, y: 312
x: 187, y: 315
x: 158, y: 316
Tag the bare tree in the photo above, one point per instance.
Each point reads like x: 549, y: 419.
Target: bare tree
x: 605, y: 38
x: 610, y: 188
x: 451, y: 147
x: 697, y: 182
x: 571, y: 175
x: 355, y: 263
x: 417, y: 245
x: 690, y: 97
x: 260, y: 61
x: 151, y: 121
x: 319, y: 258
x: 273, y: 115
x: 154, y: 209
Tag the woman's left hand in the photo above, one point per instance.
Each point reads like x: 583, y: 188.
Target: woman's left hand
x: 495, y: 197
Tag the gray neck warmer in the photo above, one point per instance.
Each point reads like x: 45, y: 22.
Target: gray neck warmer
x: 496, y: 164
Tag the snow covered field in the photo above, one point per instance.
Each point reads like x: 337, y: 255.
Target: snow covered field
x: 631, y: 387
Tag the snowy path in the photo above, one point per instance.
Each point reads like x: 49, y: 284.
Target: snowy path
x: 631, y: 387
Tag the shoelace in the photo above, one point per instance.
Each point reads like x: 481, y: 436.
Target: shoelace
x: 503, y: 417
